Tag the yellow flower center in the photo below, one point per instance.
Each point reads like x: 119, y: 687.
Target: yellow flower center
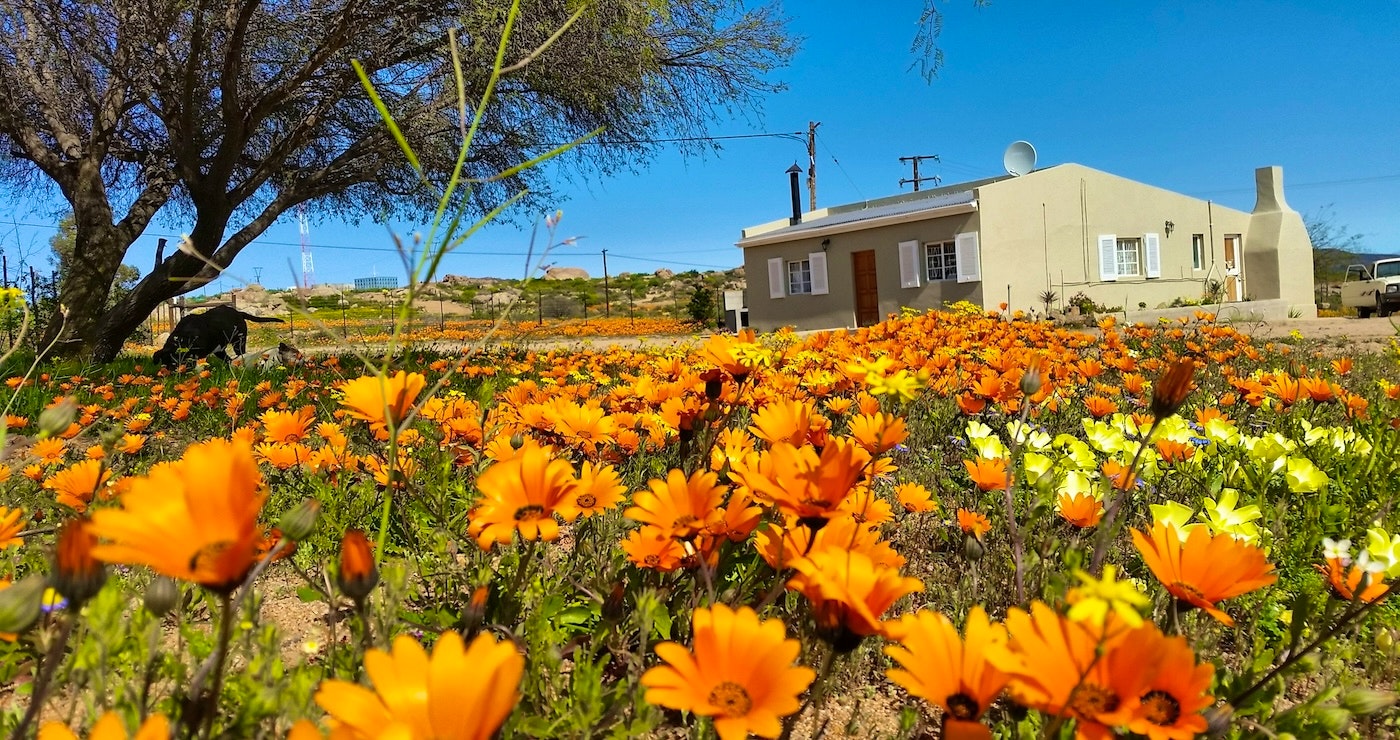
x: 731, y: 699
x: 962, y: 706
x: 587, y: 501
x: 1090, y: 701
x: 1160, y: 708
x: 529, y: 513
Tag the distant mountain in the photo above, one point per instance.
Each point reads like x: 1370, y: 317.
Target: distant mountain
x: 1366, y: 258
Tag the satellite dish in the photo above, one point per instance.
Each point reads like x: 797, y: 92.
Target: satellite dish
x: 1019, y: 158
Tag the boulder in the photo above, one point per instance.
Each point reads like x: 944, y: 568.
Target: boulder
x: 566, y: 273
x: 664, y: 274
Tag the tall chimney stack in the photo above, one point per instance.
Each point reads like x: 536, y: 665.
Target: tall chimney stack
x: 793, y: 172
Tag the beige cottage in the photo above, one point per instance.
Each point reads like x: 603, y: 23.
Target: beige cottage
x: 1068, y: 229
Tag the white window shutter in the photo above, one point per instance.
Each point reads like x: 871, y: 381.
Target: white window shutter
x: 910, y: 264
x: 819, y: 282
x: 1108, y: 257
x: 1152, y: 248
x: 777, y: 287
x: 969, y: 258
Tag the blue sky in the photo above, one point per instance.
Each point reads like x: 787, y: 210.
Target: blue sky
x: 1189, y: 96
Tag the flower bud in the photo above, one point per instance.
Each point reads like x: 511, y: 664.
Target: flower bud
x: 972, y: 548
x: 1170, y: 390
x: 162, y: 595
x: 1219, y: 719
x: 300, y: 521
x: 615, y: 605
x: 77, y: 575
x: 20, y: 604
x: 56, y: 419
x: 358, y: 576
x: 1334, y: 720
x: 517, y: 441
x: 1030, y: 379
x: 474, y: 616
x: 1366, y: 701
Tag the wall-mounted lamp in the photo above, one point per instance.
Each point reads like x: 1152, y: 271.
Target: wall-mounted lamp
x: 826, y: 244
x: 1167, y: 227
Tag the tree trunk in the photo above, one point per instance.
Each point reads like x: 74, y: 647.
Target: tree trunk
x: 178, y: 274
x: 98, y: 249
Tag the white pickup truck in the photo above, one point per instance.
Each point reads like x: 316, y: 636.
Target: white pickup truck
x: 1373, y: 289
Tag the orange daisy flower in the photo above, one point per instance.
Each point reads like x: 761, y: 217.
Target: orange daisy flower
x: 1082, y: 510
x: 110, y: 727
x: 1061, y: 667
x: 522, y: 494
x: 381, y: 401
x: 651, y: 547
x: 130, y: 444
x: 801, y: 482
x: 1176, y: 696
x: 49, y: 450
x: 878, y: 433
x: 679, y: 506
x: 195, y: 519
x: 781, y: 546
x: 946, y: 670
x: 1205, y: 569
x: 10, y: 527
x: 989, y: 473
x: 915, y: 499
x: 848, y: 593
x: 970, y: 522
x: 1099, y: 407
x: 460, y: 691
x: 741, y: 673
x: 783, y: 421
x: 76, y: 484
x: 1346, y: 584
x: 285, y: 427
x: 599, y: 489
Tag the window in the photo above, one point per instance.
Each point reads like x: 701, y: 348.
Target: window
x: 1198, y: 251
x: 1128, y: 257
x: 941, y: 260
x: 799, y: 277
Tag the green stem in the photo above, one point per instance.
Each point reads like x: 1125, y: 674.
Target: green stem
x: 1110, y: 518
x: 1342, y: 622
x: 210, y: 704
x: 52, y: 658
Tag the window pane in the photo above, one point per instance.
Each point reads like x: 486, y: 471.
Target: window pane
x: 1129, y: 260
x: 941, y: 261
x: 799, y: 276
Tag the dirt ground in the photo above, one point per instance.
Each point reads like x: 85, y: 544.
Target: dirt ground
x: 1346, y: 334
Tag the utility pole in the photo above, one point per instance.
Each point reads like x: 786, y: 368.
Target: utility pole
x: 607, y: 304
x: 917, y: 180
x: 812, y: 164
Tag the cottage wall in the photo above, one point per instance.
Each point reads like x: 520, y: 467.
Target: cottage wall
x: 1041, y: 232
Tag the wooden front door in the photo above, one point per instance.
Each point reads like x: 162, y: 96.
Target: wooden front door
x: 867, y: 290
x: 1233, y: 278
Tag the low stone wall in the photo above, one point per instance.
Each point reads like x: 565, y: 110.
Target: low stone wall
x: 1244, y: 311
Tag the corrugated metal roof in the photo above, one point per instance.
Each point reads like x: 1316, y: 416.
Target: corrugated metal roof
x: 926, y: 200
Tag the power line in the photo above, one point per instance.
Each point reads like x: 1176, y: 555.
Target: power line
x: 798, y: 136
x: 842, y: 168
x: 673, y: 262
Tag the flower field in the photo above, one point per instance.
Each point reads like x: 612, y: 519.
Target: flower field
x: 953, y: 524
x: 306, y: 331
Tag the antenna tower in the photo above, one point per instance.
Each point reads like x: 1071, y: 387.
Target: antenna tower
x: 308, y: 272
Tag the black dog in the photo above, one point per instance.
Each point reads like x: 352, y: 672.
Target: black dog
x: 207, y: 334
